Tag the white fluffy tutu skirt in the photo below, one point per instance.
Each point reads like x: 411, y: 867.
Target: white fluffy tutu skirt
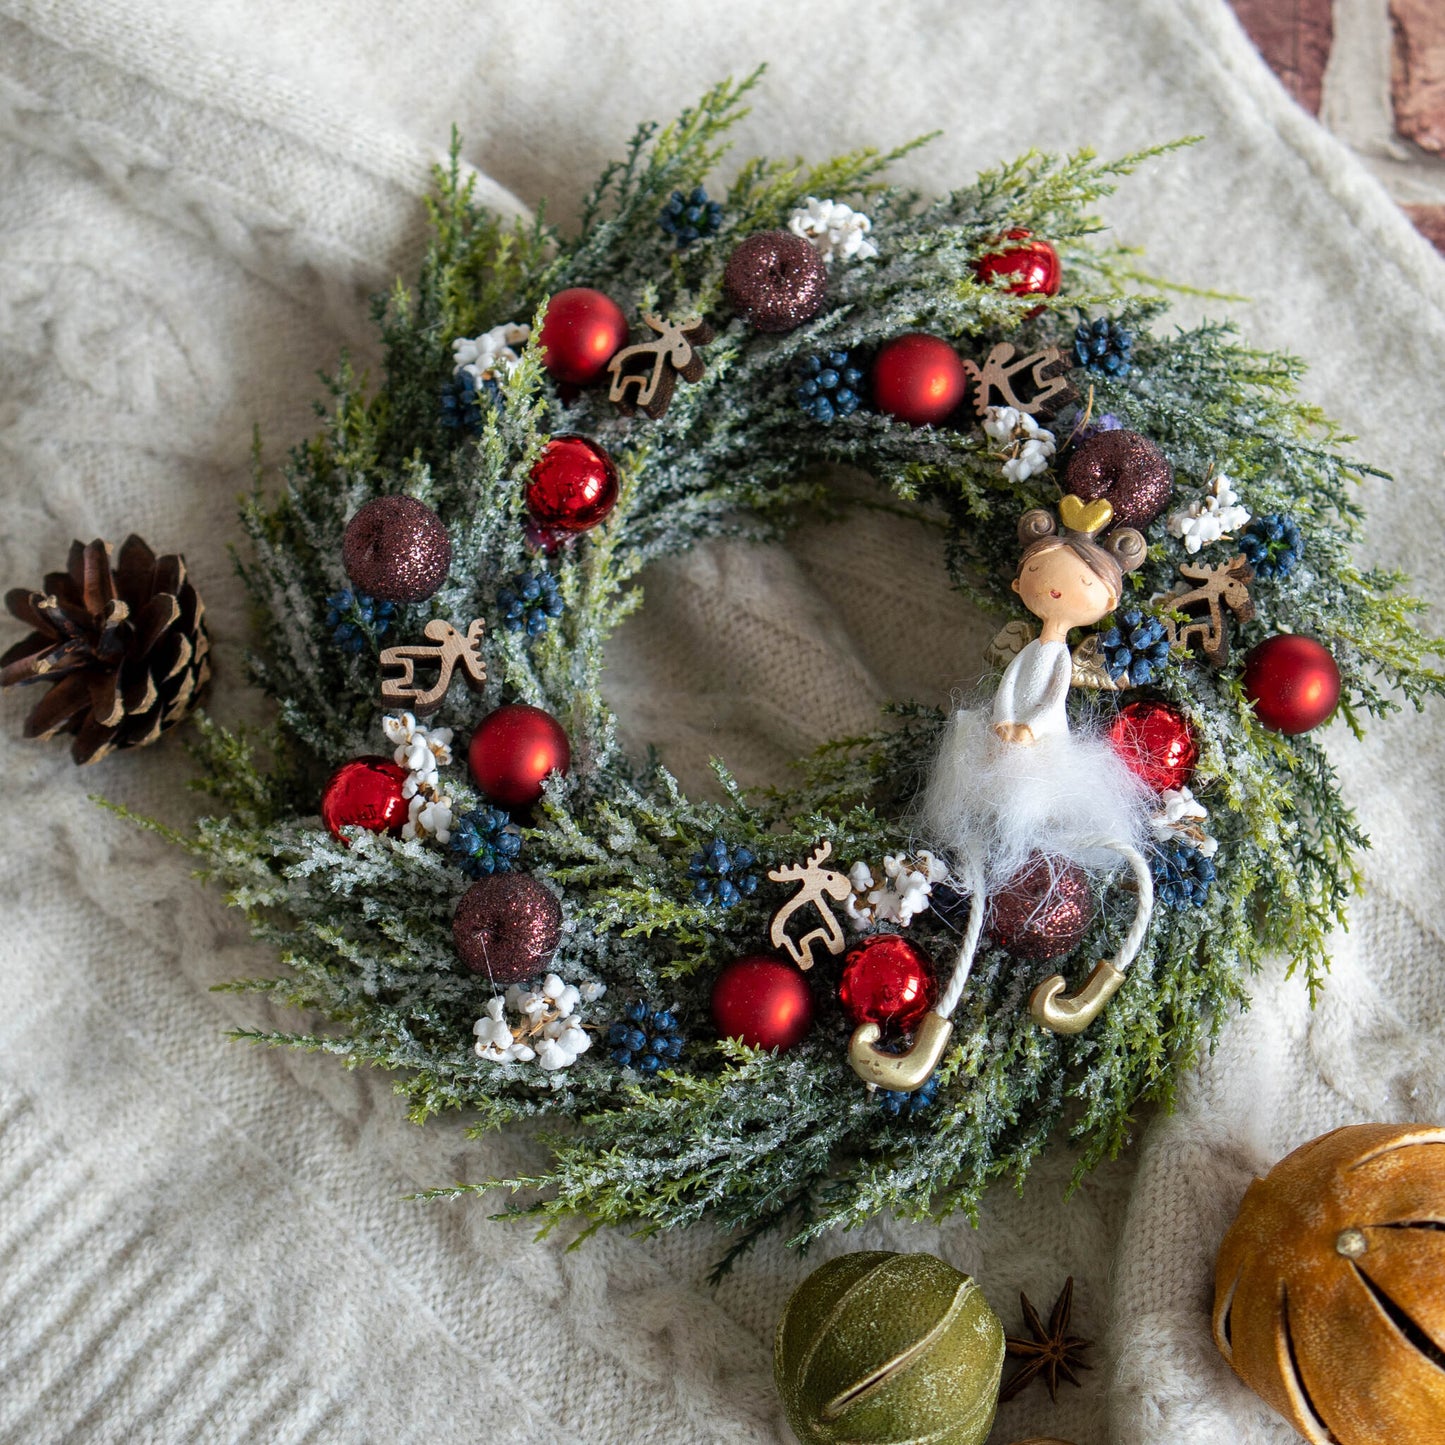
x: 991, y: 806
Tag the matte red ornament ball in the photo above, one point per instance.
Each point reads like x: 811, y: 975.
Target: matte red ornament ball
x: 513, y: 750
x: 1034, y: 266
x: 364, y: 793
x: 1292, y: 681
x: 762, y: 1001
x: 918, y: 379
x: 1156, y: 744
x: 573, y: 485
x: 886, y: 980
x: 582, y: 331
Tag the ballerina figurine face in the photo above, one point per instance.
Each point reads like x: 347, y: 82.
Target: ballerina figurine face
x: 1059, y: 587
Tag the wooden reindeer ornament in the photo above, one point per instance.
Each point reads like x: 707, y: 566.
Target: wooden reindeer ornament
x: 816, y: 884
x: 449, y: 647
x: 996, y: 377
x: 1219, y: 590
x: 672, y: 353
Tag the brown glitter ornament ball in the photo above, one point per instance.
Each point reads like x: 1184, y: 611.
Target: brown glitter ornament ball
x: 507, y: 926
x: 1127, y: 470
x: 396, y: 548
x: 776, y: 280
x: 1043, y: 911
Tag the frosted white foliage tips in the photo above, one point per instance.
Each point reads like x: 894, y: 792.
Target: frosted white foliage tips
x: 548, y: 1025
x: 1210, y: 517
x: 1024, y: 447
x: 1179, y: 820
x: 835, y: 229
x: 493, y: 355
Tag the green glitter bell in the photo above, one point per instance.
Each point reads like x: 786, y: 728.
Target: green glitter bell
x: 883, y: 1349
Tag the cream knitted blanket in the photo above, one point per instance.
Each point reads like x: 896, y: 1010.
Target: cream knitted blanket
x: 202, y: 1241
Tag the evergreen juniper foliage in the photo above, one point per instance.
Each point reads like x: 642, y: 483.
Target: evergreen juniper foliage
x: 755, y: 1140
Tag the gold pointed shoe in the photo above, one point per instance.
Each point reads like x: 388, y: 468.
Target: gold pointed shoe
x: 1063, y: 1013
x: 902, y: 1073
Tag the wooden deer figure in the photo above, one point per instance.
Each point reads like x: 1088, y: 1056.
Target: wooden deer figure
x: 1220, y: 589
x: 817, y: 884
x: 450, y: 648
x: 673, y: 354
x: 1049, y: 390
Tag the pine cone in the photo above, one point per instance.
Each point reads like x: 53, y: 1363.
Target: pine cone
x: 124, y: 649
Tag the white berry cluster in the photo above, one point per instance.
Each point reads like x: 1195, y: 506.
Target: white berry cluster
x: 834, y: 229
x: 1024, y: 447
x: 491, y: 356
x: 421, y: 751
x: 904, y: 891
x: 549, y: 1029
x: 1210, y: 517
x: 1179, y: 820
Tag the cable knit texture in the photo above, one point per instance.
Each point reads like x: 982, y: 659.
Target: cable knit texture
x: 203, y: 1241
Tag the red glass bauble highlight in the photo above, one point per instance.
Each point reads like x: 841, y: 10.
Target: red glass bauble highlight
x: 364, y: 793
x: 762, y: 1001
x: 918, y: 379
x: 1156, y: 744
x: 1033, y: 267
x: 573, y: 485
x: 582, y: 331
x: 1292, y: 681
x: 513, y: 750
x: 886, y: 980
x: 1043, y: 911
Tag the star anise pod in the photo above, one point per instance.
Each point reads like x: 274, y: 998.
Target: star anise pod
x: 1052, y: 1351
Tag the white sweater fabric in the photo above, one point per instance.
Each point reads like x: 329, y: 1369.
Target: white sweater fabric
x: 206, y: 1241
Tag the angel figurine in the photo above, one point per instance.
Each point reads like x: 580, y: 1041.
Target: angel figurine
x: 1013, y: 781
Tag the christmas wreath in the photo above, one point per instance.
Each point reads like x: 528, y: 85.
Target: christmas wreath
x: 735, y: 1007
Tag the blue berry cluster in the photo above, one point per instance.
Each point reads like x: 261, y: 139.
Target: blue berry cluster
x: 1137, y: 645
x: 721, y: 876
x: 352, y: 615
x: 462, y: 399
x: 689, y: 218
x: 829, y: 387
x: 645, y: 1039
x: 1104, y: 346
x: 485, y: 842
x: 1272, y: 545
x: 1182, y: 876
x: 529, y: 603
x: 895, y: 1104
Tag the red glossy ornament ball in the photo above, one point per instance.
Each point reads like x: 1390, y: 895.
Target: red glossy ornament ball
x: 1033, y: 266
x: 886, y: 980
x: 762, y: 1001
x: 1043, y: 911
x: 1292, y: 681
x: 364, y: 793
x: 918, y: 379
x: 581, y: 333
x: 1156, y: 743
x: 513, y: 750
x: 573, y: 485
